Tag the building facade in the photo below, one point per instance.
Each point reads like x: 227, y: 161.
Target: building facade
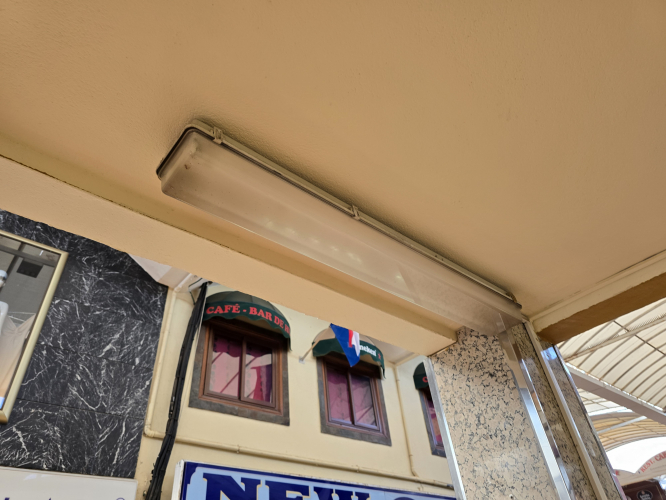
x: 82, y: 401
x: 498, y: 417
x: 95, y: 398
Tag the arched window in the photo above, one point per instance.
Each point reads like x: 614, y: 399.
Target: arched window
x: 241, y: 360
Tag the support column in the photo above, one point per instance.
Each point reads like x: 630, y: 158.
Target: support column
x: 507, y: 429
x: 580, y: 426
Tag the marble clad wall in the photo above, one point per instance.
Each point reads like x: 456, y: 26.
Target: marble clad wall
x: 496, y: 448
x: 583, y: 424
x: 565, y: 444
x: 82, y: 404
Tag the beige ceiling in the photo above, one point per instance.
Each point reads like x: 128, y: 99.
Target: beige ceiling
x: 523, y: 140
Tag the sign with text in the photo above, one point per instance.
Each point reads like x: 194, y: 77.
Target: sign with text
x: 654, y: 460
x: 196, y: 481
x: 254, y: 312
x: 644, y: 495
x: 25, y: 484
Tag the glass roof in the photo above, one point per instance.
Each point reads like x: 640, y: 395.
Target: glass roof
x: 628, y: 353
x: 596, y: 405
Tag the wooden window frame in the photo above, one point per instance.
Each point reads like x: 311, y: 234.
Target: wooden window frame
x: 434, y: 447
x: 379, y: 434
x: 201, y: 397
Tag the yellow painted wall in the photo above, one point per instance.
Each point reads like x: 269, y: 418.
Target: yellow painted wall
x: 303, y: 437
x: 425, y: 463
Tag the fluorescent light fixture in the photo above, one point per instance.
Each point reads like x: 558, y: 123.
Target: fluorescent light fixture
x: 216, y: 174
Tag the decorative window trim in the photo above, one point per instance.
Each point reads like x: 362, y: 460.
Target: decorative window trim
x: 7, y: 405
x: 201, y: 399
x: 383, y: 436
x: 434, y: 449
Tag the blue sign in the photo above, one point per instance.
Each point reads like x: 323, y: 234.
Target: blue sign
x: 213, y: 482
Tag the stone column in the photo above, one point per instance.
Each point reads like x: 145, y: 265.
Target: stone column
x: 507, y: 428
x: 580, y: 425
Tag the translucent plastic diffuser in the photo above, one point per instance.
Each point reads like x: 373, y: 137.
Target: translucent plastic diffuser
x: 218, y: 175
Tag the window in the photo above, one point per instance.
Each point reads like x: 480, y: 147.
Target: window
x: 227, y: 376
x: 241, y: 369
x: 29, y: 274
x: 432, y: 426
x: 351, y: 400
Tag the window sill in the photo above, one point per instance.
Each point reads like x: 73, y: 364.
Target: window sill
x: 340, y: 431
x: 438, y: 452
x: 239, y: 411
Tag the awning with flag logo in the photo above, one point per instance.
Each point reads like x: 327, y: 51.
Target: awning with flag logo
x: 248, y: 308
x: 334, y: 337
x: 420, y: 377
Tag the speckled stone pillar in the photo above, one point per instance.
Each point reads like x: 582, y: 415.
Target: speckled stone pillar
x: 497, y: 451
x: 589, y: 437
x: 570, y: 459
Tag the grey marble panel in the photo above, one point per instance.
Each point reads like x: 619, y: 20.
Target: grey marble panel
x: 31, y: 437
x: 91, y: 384
x: 497, y: 451
x: 16, y: 224
x: 105, y: 257
x: 88, y: 251
x: 119, y: 291
x: 587, y: 433
x: 47, y: 235
x: 79, y: 432
x: 143, y: 325
x: 149, y: 306
x: 78, y: 280
x: 118, y: 446
x: 6, y: 220
x: 36, y: 231
x: 93, y: 362
x: 48, y: 375
x: 65, y: 325
x: 119, y: 262
x: 106, y: 334
x: 565, y: 444
x: 130, y: 390
x: 141, y: 341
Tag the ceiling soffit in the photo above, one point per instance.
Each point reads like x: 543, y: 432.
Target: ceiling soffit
x: 524, y: 142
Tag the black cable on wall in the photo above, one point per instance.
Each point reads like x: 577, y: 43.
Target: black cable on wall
x: 159, y: 470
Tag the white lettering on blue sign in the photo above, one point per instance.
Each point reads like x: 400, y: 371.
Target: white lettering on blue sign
x: 211, y: 482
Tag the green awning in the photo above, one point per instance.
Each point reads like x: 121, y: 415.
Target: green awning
x: 326, y: 342
x: 420, y: 377
x: 248, y: 308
